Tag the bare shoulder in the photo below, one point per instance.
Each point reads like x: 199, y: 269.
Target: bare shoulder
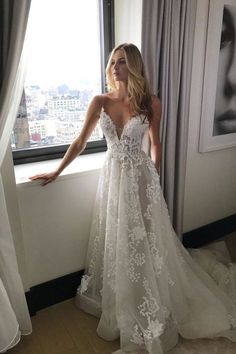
x: 107, y: 97
x: 102, y: 100
x: 156, y: 104
x: 97, y: 101
x: 108, y: 100
x: 96, y: 105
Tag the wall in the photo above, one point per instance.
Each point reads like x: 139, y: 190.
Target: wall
x: 128, y: 21
x: 55, y: 223
x: 55, y: 219
x: 210, y: 187
x: 50, y: 225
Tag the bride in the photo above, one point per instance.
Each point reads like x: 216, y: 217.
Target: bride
x: 139, y: 279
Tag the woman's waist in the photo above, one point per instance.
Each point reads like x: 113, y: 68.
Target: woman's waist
x: 131, y: 152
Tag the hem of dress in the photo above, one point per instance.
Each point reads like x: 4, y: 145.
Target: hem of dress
x: 88, y: 305
x: 15, y: 340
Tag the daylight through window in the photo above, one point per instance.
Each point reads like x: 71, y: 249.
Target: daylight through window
x: 63, y: 73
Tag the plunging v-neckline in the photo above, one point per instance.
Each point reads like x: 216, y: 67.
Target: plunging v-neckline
x: 116, y: 127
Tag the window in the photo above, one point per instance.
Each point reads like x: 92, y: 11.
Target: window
x: 69, y: 42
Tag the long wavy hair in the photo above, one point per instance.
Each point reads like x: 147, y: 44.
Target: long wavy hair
x: 138, y: 88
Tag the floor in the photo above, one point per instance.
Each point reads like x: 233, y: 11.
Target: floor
x: 63, y: 329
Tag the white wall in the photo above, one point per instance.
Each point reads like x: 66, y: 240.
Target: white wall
x: 50, y: 225
x: 55, y: 223
x: 128, y: 21
x: 210, y: 188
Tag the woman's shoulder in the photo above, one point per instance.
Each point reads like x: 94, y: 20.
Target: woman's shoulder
x: 155, y: 102
x: 98, y: 99
x: 102, y: 99
x: 155, y: 99
x: 106, y: 100
x: 156, y: 106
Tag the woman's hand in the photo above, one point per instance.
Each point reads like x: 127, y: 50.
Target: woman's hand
x: 78, y: 145
x: 46, y: 177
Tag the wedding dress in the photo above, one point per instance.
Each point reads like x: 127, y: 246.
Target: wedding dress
x: 139, y: 279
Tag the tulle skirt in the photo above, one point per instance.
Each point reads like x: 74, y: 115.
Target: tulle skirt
x: 139, y: 280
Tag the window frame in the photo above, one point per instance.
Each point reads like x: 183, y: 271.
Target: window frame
x: 107, y: 40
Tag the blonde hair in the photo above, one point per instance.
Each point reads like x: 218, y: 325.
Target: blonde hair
x: 138, y: 88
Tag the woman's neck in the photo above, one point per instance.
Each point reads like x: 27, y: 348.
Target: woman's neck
x: 122, y: 91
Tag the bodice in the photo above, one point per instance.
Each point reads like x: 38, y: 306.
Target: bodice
x: 129, y: 143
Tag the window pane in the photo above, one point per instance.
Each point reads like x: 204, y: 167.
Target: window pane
x: 63, y: 73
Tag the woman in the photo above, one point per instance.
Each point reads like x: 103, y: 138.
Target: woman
x: 225, y: 107
x: 139, y: 279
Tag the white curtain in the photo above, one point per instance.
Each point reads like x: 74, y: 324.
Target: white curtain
x: 14, y: 315
x: 167, y: 48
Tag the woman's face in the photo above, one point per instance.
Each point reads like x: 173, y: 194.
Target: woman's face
x: 225, y: 107
x: 119, y: 68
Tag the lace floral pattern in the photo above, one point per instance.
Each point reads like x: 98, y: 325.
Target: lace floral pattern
x: 84, y: 284
x: 138, y: 273
x: 149, y: 309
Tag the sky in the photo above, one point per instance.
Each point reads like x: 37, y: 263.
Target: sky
x: 63, y: 43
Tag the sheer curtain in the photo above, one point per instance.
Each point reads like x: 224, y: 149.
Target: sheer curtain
x: 167, y: 49
x: 14, y: 316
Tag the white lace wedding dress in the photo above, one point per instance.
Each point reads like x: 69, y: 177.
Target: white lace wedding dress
x: 140, y: 280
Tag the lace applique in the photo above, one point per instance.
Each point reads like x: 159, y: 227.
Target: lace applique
x: 137, y: 234
x: 153, y: 193
x: 111, y: 259
x: 148, y: 213
x: 127, y: 149
x: 132, y: 272
x: 232, y: 321
x: 84, y: 284
x: 158, y: 260
x: 148, y: 309
x: 155, y: 329
x: 137, y: 337
x: 139, y: 259
x: 170, y: 281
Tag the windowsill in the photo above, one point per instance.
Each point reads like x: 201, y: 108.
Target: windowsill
x: 82, y: 164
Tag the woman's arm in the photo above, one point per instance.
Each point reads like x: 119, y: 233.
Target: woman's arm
x: 154, y: 132
x: 79, y: 144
